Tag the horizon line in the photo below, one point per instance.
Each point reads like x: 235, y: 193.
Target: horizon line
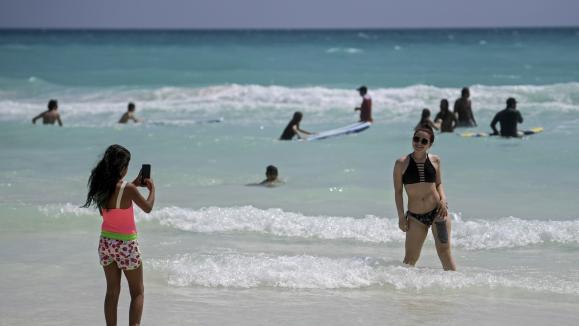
x: 145, y: 29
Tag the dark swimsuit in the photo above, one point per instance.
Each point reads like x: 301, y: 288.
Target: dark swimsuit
x: 288, y: 133
x: 420, y: 173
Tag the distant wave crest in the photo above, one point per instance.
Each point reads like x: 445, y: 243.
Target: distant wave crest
x: 273, y: 103
x: 344, y: 50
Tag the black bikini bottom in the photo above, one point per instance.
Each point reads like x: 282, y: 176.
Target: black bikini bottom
x: 426, y: 218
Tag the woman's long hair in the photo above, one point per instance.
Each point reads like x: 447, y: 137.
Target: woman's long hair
x: 424, y: 119
x: 444, y: 107
x: 296, y: 119
x: 105, y: 175
x: 425, y: 116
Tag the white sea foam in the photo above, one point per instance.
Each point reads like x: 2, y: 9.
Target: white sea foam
x: 240, y: 270
x: 344, y: 50
x: 67, y: 209
x: 508, y: 232
x: 277, y: 222
x: 234, y: 102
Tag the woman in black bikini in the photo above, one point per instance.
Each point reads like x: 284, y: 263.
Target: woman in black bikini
x: 420, y: 174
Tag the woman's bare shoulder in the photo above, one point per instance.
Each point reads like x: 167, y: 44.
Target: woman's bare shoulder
x: 131, y: 189
x: 402, y: 160
x: 434, y: 158
x: 401, y: 163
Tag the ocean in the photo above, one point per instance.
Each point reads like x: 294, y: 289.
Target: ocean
x: 323, y: 248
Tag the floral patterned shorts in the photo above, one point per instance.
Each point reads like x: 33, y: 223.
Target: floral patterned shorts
x: 125, y: 253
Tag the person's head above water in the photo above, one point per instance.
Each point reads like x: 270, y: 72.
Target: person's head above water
x: 425, y: 114
x: 511, y: 103
x: 363, y: 90
x: 422, y: 139
x: 105, y: 175
x: 465, y: 92
x: 444, y: 106
x: 297, y: 117
x: 52, y: 105
x: 131, y: 107
x: 271, y: 173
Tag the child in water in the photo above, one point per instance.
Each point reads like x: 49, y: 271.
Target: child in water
x: 271, y: 178
x: 129, y: 115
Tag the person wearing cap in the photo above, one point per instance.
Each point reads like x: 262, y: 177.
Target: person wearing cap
x: 508, y: 119
x: 366, y: 106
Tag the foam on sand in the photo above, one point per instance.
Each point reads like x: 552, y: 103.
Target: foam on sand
x: 312, y: 272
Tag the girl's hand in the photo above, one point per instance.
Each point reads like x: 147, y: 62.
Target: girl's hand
x: 442, y: 210
x: 403, y: 224
x: 137, y: 181
x: 149, y: 184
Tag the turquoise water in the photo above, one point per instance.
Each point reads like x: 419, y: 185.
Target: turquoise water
x: 324, y: 244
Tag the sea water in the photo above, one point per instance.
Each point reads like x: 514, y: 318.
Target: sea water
x: 323, y: 248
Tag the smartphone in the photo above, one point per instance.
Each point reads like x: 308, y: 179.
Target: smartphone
x: 145, y: 173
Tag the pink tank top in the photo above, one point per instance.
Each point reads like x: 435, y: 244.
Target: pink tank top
x: 119, y: 223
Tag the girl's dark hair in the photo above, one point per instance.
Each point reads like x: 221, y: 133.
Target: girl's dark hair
x: 444, y: 106
x: 296, y: 118
x: 424, y: 118
x: 105, y: 175
x: 427, y: 130
x: 52, y: 105
x: 271, y: 169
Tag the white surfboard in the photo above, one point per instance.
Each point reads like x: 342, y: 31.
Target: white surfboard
x: 350, y: 129
x: 521, y: 133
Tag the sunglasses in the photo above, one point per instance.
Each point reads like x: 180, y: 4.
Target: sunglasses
x: 423, y: 141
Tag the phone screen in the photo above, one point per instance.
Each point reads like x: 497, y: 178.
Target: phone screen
x: 145, y: 173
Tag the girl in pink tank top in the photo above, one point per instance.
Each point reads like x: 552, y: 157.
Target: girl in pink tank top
x: 118, y: 247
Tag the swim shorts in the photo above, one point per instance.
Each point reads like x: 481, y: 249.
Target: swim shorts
x: 125, y: 253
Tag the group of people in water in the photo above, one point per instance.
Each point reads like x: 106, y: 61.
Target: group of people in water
x: 418, y: 173
x: 462, y: 116
x: 293, y: 127
x: 52, y: 116
x: 444, y: 121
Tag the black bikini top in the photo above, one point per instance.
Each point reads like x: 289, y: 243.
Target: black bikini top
x: 419, y: 172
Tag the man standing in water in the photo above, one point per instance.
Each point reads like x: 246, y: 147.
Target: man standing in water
x: 508, y: 119
x: 50, y: 116
x: 129, y: 115
x: 463, y: 110
x: 366, y: 106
